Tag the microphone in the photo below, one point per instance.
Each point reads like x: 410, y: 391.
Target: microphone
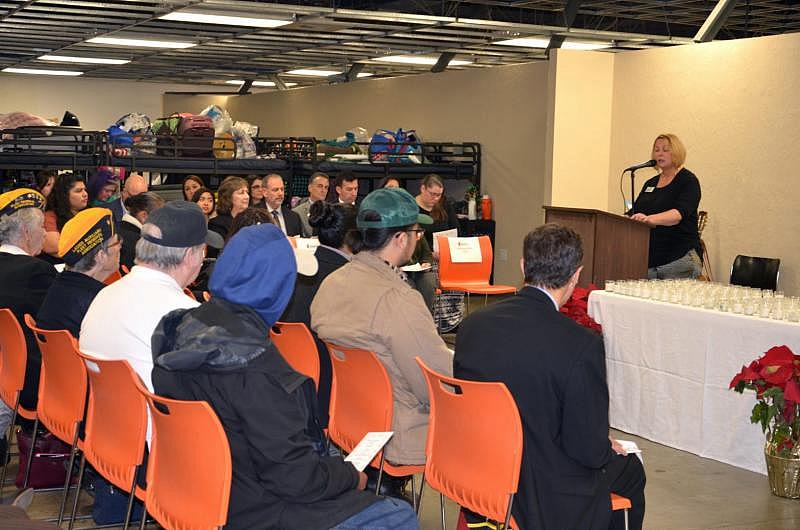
x: 649, y: 163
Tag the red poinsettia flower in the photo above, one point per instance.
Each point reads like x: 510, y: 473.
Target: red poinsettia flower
x: 777, y: 365
x: 748, y: 374
x: 791, y: 393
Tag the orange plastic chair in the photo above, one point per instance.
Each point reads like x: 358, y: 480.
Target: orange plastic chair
x: 188, y: 485
x: 619, y: 502
x: 62, y: 391
x: 361, y: 402
x: 298, y: 347
x: 474, y: 446
x: 13, y: 361
x: 470, y: 277
x: 116, y: 427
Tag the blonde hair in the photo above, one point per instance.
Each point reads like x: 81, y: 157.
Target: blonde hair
x: 678, y: 149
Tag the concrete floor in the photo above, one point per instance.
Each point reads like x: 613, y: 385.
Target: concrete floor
x: 683, y: 491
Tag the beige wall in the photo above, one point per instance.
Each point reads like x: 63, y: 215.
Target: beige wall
x: 502, y: 108
x: 97, y: 102
x: 734, y: 104
x: 579, y: 128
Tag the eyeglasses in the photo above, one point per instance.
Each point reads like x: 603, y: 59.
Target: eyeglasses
x: 418, y: 231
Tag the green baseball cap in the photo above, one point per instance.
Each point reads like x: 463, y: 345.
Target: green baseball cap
x: 395, y: 206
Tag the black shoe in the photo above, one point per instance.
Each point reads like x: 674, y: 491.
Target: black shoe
x: 390, y: 486
x: 3, y: 450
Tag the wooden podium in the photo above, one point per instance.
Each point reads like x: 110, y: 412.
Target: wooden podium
x: 614, y: 247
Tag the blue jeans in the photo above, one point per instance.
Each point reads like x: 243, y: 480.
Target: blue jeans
x: 386, y: 514
x: 687, y: 266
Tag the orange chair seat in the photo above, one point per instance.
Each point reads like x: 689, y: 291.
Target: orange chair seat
x: 619, y: 503
x: 478, y: 288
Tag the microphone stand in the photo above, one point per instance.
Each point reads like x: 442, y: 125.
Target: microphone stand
x: 633, y: 189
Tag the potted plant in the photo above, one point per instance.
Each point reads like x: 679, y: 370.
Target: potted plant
x: 775, y: 378
x: 471, y: 196
x: 577, y: 307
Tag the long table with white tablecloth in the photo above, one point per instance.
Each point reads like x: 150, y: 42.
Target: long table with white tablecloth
x: 669, y: 367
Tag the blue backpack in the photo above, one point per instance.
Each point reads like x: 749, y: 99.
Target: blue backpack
x: 401, y: 147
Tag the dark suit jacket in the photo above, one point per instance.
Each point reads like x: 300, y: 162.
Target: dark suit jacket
x: 299, y: 310
x: 129, y: 234
x: 555, y: 369
x: 67, y: 302
x: 294, y: 226
x: 25, y: 281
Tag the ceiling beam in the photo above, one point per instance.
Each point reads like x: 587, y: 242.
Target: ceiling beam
x: 570, y: 12
x: 279, y: 84
x: 245, y: 88
x: 352, y: 73
x: 708, y: 31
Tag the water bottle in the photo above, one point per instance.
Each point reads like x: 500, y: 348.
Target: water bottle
x: 486, y: 208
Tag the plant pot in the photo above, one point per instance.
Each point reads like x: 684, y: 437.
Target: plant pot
x: 784, y: 475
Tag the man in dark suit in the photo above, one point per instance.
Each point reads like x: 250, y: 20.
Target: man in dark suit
x: 24, y: 278
x: 288, y: 221
x: 555, y: 369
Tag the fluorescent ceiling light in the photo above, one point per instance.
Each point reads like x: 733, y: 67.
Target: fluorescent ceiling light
x: 257, y: 83
x: 365, y: 74
x: 526, y: 42
x: 141, y: 43
x: 86, y: 60
x: 417, y: 59
x: 206, y: 18
x: 544, y: 42
x: 40, y: 72
x: 316, y: 73
x: 570, y: 44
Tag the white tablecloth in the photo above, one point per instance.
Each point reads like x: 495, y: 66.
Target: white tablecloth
x: 669, y: 367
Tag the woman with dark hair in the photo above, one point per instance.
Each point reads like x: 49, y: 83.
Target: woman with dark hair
x: 256, y: 189
x: 335, y: 225
x: 249, y: 217
x: 69, y: 197
x: 432, y: 201
x: 205, y: 199
x: 190, y: 185
x: 45, y: 180
x: 232, y: 199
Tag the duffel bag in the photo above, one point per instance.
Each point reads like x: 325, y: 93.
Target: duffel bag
x: 197, y: 136
x: 48, y: 467
x: 166, y: 131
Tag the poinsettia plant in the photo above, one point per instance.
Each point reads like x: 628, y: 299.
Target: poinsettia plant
x: 577, y: 307
x: 775, y: 378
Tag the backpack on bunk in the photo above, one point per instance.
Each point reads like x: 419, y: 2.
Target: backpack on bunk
x: 166, y: 131
x: 396, y: 147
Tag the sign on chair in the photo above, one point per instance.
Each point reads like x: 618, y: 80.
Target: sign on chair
x: 464, y: 249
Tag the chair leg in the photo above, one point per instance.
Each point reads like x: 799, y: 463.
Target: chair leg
x: 10, y: 433
x: 441, y: 505
x: 144, y: 520
x: 421, y: 490
x: 414, y: 493
x: 30, y: 454
x: 625, y: 515
x: 131, y: 499
x: 380, y: 474
x: 508, y: 511
x: 65, y: 496
x: 77, y: 491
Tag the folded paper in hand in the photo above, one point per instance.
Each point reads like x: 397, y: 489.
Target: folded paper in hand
x: 369, y: 446
x: 631, y: 448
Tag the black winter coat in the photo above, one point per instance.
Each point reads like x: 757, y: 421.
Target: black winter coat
x: 219, y: 353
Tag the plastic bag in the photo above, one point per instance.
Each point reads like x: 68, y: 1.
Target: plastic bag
x: 220, y: 118
x: 245, y: 145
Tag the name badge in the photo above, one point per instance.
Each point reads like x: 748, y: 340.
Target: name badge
x: 649, y: 189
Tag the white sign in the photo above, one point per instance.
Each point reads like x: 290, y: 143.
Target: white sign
x: 307, y: 243
x: 465, y: 249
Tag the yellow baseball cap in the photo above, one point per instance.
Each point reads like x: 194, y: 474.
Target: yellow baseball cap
x: 84, y: 232
x: 15, y: 200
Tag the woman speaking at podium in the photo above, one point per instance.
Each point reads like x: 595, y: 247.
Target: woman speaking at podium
x: 668, y: 203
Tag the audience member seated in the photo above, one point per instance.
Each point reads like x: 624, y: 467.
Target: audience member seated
x: 256, y: 189
x: 45, y: 180
x: 24, y: 280
x: 317, y: 191
x: 134, y: 185
x: 207, y: 202
x: 217, y: 353
x: 121, y: 319
x: 347, y: 187
x: 556, y: 371
x: 104, y: 192
x: 138, y: 208
x: 369, y: 304
x: 90, y: 249
x: 288, y: 221
x: 251, y: 216
x: 190, y: 185
x: 334, y: 224
x: 233, y: 199
x: 68, y: 198
x: 424, y: 280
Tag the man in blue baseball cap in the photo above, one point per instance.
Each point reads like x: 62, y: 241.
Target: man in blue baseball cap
x: 370, y: 304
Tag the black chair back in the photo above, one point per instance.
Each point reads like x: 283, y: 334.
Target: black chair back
x: 752, y: 271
